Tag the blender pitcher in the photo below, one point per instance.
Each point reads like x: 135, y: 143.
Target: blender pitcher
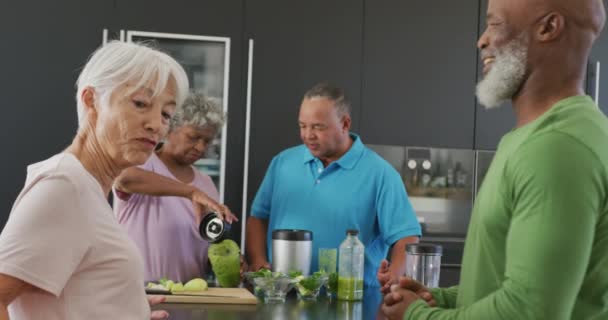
x: 423, y: 263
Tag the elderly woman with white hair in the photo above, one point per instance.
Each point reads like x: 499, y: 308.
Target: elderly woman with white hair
x: 63, y: 254
x: 159, y: 203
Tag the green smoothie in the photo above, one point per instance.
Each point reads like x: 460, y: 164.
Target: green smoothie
x: 350, y: 289
x: 332, y: 284
x: 225, y: 261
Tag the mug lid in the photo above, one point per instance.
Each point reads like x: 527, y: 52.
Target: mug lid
x: 424, y: 248
x: 292, y: 235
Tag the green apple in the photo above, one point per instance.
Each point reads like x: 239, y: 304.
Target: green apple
x: 152, y: 285
x: 196, y: 284
x: 177, y: 287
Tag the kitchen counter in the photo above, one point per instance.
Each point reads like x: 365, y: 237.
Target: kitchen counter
x: 323, y: 308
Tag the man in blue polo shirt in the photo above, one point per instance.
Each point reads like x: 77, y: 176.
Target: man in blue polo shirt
x: 329, y: 184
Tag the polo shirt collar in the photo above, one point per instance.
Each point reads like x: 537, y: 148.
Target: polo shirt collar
x: 349, y: 159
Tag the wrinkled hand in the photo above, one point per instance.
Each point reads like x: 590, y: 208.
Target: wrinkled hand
x: 256, y: 266
x: 244, y: 266
x: 420, y: 290
x: 203, y: 204
x: 385, y: 277
x: 397, y: 301
x: 157, y: 314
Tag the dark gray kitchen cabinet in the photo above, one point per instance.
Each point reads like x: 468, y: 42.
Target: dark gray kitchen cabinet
x: 45, y: 45
x: 490, y: 124
x: 449, y: 276
x: 222, y: 18
x: 216, y: 18
x: 419, y: 72
x: 296, y: 45
x: 599, y: 60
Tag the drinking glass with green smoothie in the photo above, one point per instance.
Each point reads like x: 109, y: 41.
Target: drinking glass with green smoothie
x: 328, y: 262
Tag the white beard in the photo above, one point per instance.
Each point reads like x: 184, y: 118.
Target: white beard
x: 506, y: 74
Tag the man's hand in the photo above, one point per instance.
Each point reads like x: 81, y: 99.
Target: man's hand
x: 385, y: 277
x: 388, y: 279
x: 414, y: 286
x: 256, y: 266
x: 203, y: 203
x: 397, y: 301
x: 157, y: 314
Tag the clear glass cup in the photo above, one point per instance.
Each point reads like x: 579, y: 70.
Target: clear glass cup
x: 257, y: 290
x: 328, y: 262
x: 275, y: 288
x: 309, y: 287
x: 328, y: 259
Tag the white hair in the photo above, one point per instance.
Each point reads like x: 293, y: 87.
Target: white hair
x: 200, y: 111
x: 506, y: 75
x: 117, y: 63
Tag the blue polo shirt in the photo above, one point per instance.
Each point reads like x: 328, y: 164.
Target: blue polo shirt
x: 359, y: 191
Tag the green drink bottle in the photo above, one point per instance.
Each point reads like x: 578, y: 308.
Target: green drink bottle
x: 350, y: 268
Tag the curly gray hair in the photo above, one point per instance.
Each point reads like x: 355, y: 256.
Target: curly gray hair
x: 200, y: 111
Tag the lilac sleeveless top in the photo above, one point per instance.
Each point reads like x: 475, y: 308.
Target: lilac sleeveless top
x: 164, y: 228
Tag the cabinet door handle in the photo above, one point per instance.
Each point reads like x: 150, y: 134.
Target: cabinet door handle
x: 597, y: 83
x: 247, y: 133
x: 104, y: 35
x: 451, y: 265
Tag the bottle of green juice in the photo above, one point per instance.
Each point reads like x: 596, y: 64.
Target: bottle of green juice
x: 350, y: 267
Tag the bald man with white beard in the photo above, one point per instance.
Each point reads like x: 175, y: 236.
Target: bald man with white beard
x: 537, y: 245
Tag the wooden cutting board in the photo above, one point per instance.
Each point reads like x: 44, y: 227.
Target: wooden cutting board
x: 214, y: 295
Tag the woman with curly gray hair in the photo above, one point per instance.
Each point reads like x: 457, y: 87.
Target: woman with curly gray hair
x: 162, y: 202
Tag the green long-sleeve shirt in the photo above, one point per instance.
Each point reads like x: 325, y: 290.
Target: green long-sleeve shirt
x: 537, y: 245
